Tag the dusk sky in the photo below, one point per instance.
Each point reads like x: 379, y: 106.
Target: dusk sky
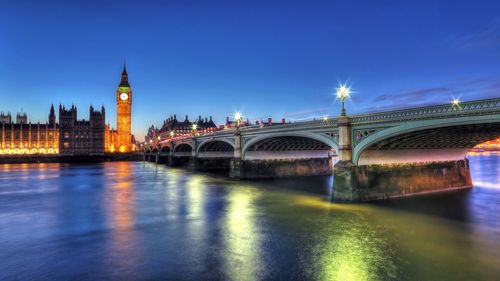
x: 264, y: 58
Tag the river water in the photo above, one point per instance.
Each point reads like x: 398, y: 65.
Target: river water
x: 136, y: 221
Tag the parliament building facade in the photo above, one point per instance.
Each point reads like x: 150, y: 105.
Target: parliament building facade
x: 71, y: 136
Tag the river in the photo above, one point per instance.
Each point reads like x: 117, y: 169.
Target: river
x: 136, y: 221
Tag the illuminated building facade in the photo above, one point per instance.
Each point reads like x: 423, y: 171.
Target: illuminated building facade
x: 71, y: 136
x: 121, y: 139
x: 172, y: 127
x: 23, y: 137
x: 81, y: 137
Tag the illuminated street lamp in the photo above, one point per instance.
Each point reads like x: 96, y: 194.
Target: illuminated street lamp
x: 195, y: 126
x: 455, y: 103
x: 238, y: 118
x: 342, y: 93
x: 172, y: 134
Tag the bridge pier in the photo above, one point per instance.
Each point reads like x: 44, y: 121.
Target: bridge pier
x: 162, y: 159
x: 173, y: 161
x: 209, y: 164
x: 373, y: 182
x: 150, y: 158
x: 192, y: 164
x: 276, y: 168
x: 236, y: 168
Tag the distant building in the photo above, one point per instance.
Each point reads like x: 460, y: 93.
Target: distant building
x: 172, y: 127
x: 5, y: 118
x: 246, y: 123
x: 22, y: 118
x: 233, y: 123
x: 23, y: 137
x: 81, y: 137
x: 269, y: 122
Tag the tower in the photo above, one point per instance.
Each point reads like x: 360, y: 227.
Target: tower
x: 52, y: 116
x: 123, y: 112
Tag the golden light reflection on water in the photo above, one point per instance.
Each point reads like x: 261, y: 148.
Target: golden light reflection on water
x: 195, y: 201
x: 242, y: 240
x: 370, y: 238
x: 348, y: 246
x: 120, y: 206
x: 195, y: 196
x: 122, y: 193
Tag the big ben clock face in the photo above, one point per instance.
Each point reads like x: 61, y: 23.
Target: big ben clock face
x: 124, y: 96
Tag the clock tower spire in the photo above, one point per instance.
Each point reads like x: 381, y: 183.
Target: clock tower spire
x: 123, y: 112
x: 124, y: 81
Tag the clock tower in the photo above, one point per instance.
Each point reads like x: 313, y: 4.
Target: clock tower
x: 123, y: 114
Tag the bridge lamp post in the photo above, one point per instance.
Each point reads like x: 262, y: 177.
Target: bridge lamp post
x: 194, y: 127
x: 238, y: 117
x: 342, y: 93
x: 455, y: 104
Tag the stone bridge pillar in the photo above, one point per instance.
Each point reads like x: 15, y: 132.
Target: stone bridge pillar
x: 344, y: 176
x: 345, y: 148
x: 235, y: 166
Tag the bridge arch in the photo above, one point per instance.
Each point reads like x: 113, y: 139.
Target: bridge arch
x: 165, y: 149
x: 216, y: 146
x: 426, y: 141
x: 183, y: 147
x: 310, y: 144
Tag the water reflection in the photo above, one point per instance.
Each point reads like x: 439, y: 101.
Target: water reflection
x: 355, y: 251
x: 135, y: 221
x: 123, y: 250
x: 242, y: 242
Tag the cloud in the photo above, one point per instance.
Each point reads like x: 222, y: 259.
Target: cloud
x: 471, y: 89
x: 488, y: 35
x: 307, y: 111
x: 356, y: 98
x: 412, y: 95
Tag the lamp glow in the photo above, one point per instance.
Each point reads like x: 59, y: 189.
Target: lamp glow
x: 342, y: 93
x: 238, y: 117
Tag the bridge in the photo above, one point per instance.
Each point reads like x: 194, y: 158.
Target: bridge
x: 380, y: 155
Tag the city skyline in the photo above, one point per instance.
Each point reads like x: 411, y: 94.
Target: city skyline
x: 264, y: 59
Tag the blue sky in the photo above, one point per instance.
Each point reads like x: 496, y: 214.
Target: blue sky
x: 264, y: 58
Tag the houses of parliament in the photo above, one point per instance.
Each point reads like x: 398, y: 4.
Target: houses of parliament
x: 71, y: 136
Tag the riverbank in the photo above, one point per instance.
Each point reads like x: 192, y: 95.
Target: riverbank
x: 44, y: 158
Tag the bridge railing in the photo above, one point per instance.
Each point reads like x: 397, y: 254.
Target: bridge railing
x: 309, y: 123
x: 479, y: 107
x: 330, y: 122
